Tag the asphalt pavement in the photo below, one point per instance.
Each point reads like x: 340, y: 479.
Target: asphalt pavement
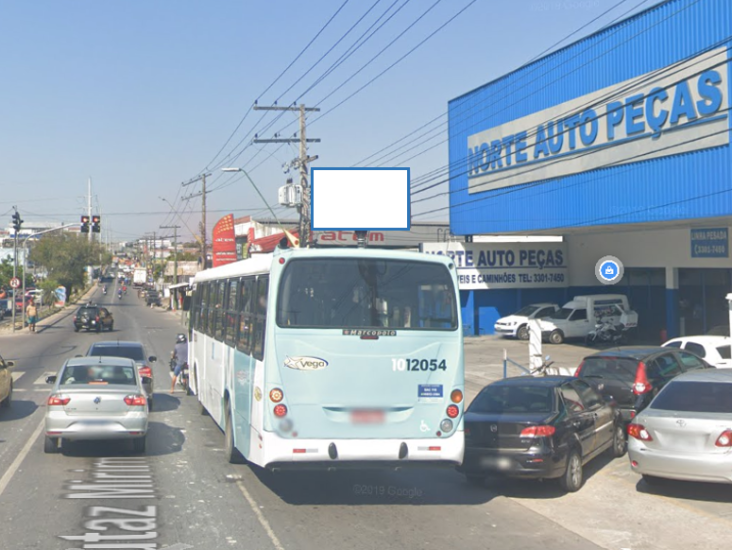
x: 186, y: 496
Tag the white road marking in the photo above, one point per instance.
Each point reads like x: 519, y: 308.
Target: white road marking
x: 257, y: 512
x: 16, y: 374
x: 21, y: 456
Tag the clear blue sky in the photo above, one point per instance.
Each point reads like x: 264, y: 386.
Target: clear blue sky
x: 140, y: 95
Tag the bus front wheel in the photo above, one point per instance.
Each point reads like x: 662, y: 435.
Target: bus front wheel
x: 233, y: 456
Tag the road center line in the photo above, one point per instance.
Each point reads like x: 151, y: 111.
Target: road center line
x: 255, y: 507
x: 5, y: 480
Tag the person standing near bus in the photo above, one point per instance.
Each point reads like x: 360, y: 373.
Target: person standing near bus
x: 32, y: 313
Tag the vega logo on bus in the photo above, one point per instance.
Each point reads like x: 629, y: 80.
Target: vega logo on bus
x: 673, y: 110
x: 305, y: 363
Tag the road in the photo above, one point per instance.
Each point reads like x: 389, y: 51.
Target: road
x: 189, y: 497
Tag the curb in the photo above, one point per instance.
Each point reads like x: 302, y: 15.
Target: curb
x: 60, y: 315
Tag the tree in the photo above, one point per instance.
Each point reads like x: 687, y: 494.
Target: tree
x: 6, y: 273
x: 65, y: 257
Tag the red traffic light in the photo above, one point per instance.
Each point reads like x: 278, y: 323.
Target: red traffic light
x: 95, y: 219
x: 85, y: 219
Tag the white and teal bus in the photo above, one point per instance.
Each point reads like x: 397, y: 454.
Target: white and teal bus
x: 331, y: 358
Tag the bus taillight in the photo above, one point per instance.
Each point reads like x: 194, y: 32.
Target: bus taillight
x: 456, y: 396
x: 276, y: 395
x: 280, y: 410
x: 453, y: 411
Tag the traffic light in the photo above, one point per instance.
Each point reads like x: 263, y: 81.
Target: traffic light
x: 85, y: 224
x: 96, y: 224
x: 17, y: 221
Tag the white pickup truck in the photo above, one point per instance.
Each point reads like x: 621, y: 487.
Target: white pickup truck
x: 578, y: 317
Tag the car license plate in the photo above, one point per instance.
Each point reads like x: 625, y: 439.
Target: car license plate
x: 497, y: 463
x: 367, y: 417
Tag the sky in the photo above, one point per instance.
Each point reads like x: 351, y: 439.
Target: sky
x: 142, y: 95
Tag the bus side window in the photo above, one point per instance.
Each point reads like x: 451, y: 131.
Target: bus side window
x: 220, y: 310
x: 246, y: 289
x: 203, y: 313
x: 260, y: 318
x: 231, y: 324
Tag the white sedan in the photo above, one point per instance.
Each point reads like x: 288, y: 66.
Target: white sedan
x: 715, y: 350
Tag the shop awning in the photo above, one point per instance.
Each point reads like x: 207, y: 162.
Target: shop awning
x: 269, y: 243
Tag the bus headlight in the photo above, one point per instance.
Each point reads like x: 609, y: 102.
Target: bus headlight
x: 286, y: 425
x: 446, y: 425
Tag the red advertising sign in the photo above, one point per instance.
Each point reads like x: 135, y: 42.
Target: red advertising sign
x: 224, y: 243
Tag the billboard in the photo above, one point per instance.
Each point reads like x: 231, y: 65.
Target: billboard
x: 506, y: 265
x: 224, y: 242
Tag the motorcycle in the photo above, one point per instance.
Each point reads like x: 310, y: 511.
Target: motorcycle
x: 183, y: 378
x: 119, y: 295
x: 545, y: 369
x: 104, y: 291
x: 606, y: 332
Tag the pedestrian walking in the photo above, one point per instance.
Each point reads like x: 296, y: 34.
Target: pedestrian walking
x: 32, y: 313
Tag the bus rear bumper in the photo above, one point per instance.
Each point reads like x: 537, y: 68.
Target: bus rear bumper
x: 362, y: 453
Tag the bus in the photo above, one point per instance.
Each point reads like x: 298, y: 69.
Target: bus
x: 322, y: 358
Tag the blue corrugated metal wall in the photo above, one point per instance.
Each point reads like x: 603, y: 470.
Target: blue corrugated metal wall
x: 691, y: 185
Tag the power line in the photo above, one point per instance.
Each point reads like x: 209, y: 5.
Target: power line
x: 677, y: 67
x: 447, y: 167
x: 274, y: 82
x: 532, y: 60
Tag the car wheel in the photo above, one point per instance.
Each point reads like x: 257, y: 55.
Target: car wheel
x: 572, y: 479
x: 233, y: 456
x: 475, y: 480
x: 111, y: 327
x: 138, y: 444
x: 150, y: 404
x: 5, y: 404
x: 99, y: 329
x: 76, y: 329
x: 556, y: 337
x: 50, y: 445
x: 523, y: 332
x: 620, y: 442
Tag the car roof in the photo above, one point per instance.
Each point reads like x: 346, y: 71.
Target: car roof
x: 116, y: 344
x: 536, y: 381
x: 631, y: 352
x: 706, y: 375
x: 703, y: 339
x: 100, y: 360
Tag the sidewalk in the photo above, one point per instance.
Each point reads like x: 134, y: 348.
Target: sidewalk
x: 51, y: 316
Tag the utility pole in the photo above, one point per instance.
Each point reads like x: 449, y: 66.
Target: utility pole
x: 202, y: 177
x: 302, y: 162
x: 89, y: 213
x: 175, y: 250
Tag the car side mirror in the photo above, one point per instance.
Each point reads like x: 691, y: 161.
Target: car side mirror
x: 152, y: 358
x: 51, y: 379
x: 78, y: 355
x: 9, y: 364
x: 548, y: 358
x: 146, y: 380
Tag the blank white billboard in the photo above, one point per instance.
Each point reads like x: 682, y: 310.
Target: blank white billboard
x: 359, y: 199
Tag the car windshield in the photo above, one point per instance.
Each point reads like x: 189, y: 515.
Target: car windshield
x: 367, y: 293
x: 562, y: 313
x: 725, y: 352
x: 701, y: 397
x: 130, y: 352
x: 507, y: 399
x: 526, y: 311
x: 610, y: 368
x: 98, y: 375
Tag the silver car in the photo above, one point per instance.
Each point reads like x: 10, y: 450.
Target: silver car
x: 131, y: 350
x: 96, y: 398
x: 686, y: 431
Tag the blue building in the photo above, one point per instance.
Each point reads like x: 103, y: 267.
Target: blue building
x: 619, y: 143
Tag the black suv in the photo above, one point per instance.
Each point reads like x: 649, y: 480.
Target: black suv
x: 632, y: 376
x: 152, y: 298
x: 93, y: 317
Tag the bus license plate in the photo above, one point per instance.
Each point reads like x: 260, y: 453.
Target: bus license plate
x: 367, y: 417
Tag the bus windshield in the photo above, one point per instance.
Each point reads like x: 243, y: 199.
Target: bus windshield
x: 366, y: 293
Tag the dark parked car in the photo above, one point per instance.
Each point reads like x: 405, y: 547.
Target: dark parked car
x: 152, y: 297
x: 91, y: 317
x: 632, y: 376
x: 539, y: 427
